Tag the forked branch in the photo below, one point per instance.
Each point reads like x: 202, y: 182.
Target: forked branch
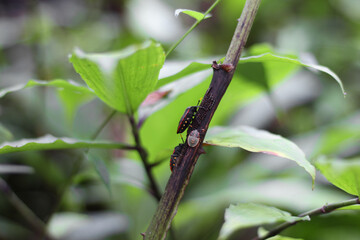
x: 222, y: 76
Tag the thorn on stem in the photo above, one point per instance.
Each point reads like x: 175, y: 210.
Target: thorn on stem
x: 228, y: 67
x: 201, y: 150
x: 323, y: 209
x: 215, y: 65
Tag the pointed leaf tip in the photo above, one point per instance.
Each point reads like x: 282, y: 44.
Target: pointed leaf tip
x: 194, y: 14
x: 276, y: 58
x: 255, y: 140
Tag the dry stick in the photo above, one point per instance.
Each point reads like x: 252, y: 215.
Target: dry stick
x: 318, y: 211
x: 186, y: 161
x: 35, y: 223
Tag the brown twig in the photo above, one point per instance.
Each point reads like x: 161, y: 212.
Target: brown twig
x: 144, y: 157
x: 318, y: 211
x: 222, y: 76
x: 158, y: 162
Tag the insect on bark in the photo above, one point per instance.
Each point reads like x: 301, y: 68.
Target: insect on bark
x: 193, y: 138
x: 187, y: 117
x: 175, y: 155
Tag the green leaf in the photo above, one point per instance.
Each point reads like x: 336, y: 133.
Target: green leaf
x: 243, y: 183
x: 192, y: 68
x: 337, y: 137
x: 269, y: 57
x: 273, y: 64
x: 5, y: 135
x: 62, y: 223
x: 169, y: 93
x: 49, y: 142
x: 263, y: 232
x: 255, y: 140
x: 129, y: 172
x: 121, y: 79
x: 353, y: 207
x: 344, y: 174
x: 17, y: 169
x: 102, y: 225
x: 72, y: 101
x: 72, y: 94
x: 58, y: 83
x: 245, y: 215
x: 101, y: 169
x: 184, y: 93
x: 194, y: 14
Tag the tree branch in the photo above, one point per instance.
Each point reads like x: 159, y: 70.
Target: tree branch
x: 318, y: 211
x: 34, y: 222
x: 144, y: 157
x: 186, y: 161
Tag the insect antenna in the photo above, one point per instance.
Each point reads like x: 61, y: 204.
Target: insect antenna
x: 182, y: 138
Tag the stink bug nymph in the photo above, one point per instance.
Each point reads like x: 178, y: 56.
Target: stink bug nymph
x: 187, y: 117
x: 193, y: 138
x: 175, y: 155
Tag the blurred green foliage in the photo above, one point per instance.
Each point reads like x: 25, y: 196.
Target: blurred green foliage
x: 300, y: 105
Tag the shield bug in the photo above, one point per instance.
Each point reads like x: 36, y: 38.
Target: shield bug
x: 175, y: 155
x: 187, y: 117
x: 193, y: 138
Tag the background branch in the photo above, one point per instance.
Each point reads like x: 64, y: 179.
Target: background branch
x: 186, y: 161
x: 34, y: 222
x: 77, y: 165
x: 318, y: 211
x: 144, y: 157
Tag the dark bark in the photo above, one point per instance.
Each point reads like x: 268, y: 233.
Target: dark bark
x: 222, y: 76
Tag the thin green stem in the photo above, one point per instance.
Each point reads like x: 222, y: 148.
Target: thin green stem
x: 102, y: 126
x: 318, y: 211
x: 158, y: 162
x: 192, y: 28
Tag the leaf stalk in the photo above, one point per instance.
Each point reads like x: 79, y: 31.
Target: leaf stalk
x: 318, y: 211
x: 192, y: 28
